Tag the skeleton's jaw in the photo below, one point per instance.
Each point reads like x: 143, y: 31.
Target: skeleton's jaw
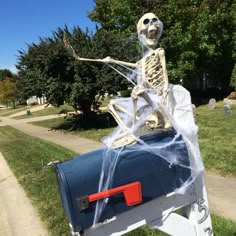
x: 150, y: 43
x: 149, y: 37
x: 152, y: 36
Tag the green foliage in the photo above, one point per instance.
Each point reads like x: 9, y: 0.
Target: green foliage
x: 125, y: 93
x: 39, y: 183
x: 120, y: 15
x: 47, y: 68
x: 5, y: 74
x: 8, y: 91
x: 233, y: 78
x: 199, y: 35
x: 199, y: 38
x: 8, y: 87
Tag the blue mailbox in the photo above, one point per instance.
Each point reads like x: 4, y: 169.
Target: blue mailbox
x: 152, y: 175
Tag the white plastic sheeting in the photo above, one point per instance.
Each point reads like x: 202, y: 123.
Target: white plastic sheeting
x: 180, y: 114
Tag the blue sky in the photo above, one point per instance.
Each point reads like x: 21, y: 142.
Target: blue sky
x: 24, y: 21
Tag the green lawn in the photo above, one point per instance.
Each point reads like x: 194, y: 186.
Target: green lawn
x: 105, y: 100
x: 10, y: 111
x: 26, y: 156
x: 47, y: 111
x: 95, y: 134
x: 217, y: 140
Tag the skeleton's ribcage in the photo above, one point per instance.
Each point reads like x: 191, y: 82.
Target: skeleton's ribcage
x: 152, y: 72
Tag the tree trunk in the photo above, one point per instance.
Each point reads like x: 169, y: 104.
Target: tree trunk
x: 86, y: 110
x: 14, y: 104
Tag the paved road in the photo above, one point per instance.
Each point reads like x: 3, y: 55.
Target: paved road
x: 221, y: 191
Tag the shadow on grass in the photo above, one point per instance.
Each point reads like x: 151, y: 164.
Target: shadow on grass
x: 79, y: 122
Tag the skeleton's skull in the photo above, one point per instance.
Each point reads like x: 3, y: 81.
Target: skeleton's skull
x: 149, y: 29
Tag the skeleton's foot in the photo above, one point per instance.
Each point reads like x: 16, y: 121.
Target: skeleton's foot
x: 124, y: 141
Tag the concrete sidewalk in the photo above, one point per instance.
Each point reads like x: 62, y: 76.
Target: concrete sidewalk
x: 72, y: 142
x: 31, y: 109
x: 17, y: 216
x: 221, y: 191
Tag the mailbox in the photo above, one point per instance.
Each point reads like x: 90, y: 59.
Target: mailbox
x: 139, y: 176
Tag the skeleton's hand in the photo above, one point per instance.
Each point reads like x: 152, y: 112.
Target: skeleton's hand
x: 137, y: 90
x: 107, y: 60
x: 69, y: 48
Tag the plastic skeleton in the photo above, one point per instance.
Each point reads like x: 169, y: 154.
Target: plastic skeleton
x: 152, y: 75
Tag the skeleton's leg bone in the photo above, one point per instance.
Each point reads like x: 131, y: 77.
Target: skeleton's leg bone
x: 122, y: 109
x: 124, y: 139
x: 157, y: 109
x: 149, y: 100
x: 134, y: 110
x: 154, y: 106
x: 163, y: 117
x: 112, y: 110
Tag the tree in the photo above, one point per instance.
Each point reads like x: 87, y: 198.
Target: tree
x: 47, y: 68
x: 120, y: 15
x: 7, y: 91
x: 5, y: 73
x: 199, y: 35
x: 233, y: 78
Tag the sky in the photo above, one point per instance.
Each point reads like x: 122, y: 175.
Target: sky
x: 22, y: 22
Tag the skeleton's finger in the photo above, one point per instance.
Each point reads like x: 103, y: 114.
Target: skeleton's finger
x: 70, y: 48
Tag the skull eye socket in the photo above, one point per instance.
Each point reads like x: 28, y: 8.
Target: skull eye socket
x: 147, y: 21
x: 154, y: 20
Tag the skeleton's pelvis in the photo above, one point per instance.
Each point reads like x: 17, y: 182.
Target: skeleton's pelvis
x: 152, y: 121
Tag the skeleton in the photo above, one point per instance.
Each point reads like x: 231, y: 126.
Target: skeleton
x: 152, y: 76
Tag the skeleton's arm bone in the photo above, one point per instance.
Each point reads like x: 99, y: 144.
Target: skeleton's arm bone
x: 104, y: 60
x: 107, y: 60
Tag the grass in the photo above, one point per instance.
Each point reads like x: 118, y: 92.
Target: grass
x: 217, y: 140
x: 25, y: 156
x: 41, y: 187
x: 10, y: 111
x: 96, y: 129
x: 217, y: 134
x: 95, y: 134
x: 47, y: 111
x: 105, y: 100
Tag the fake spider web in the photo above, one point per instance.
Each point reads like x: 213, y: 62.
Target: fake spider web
x: 178, y: 110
